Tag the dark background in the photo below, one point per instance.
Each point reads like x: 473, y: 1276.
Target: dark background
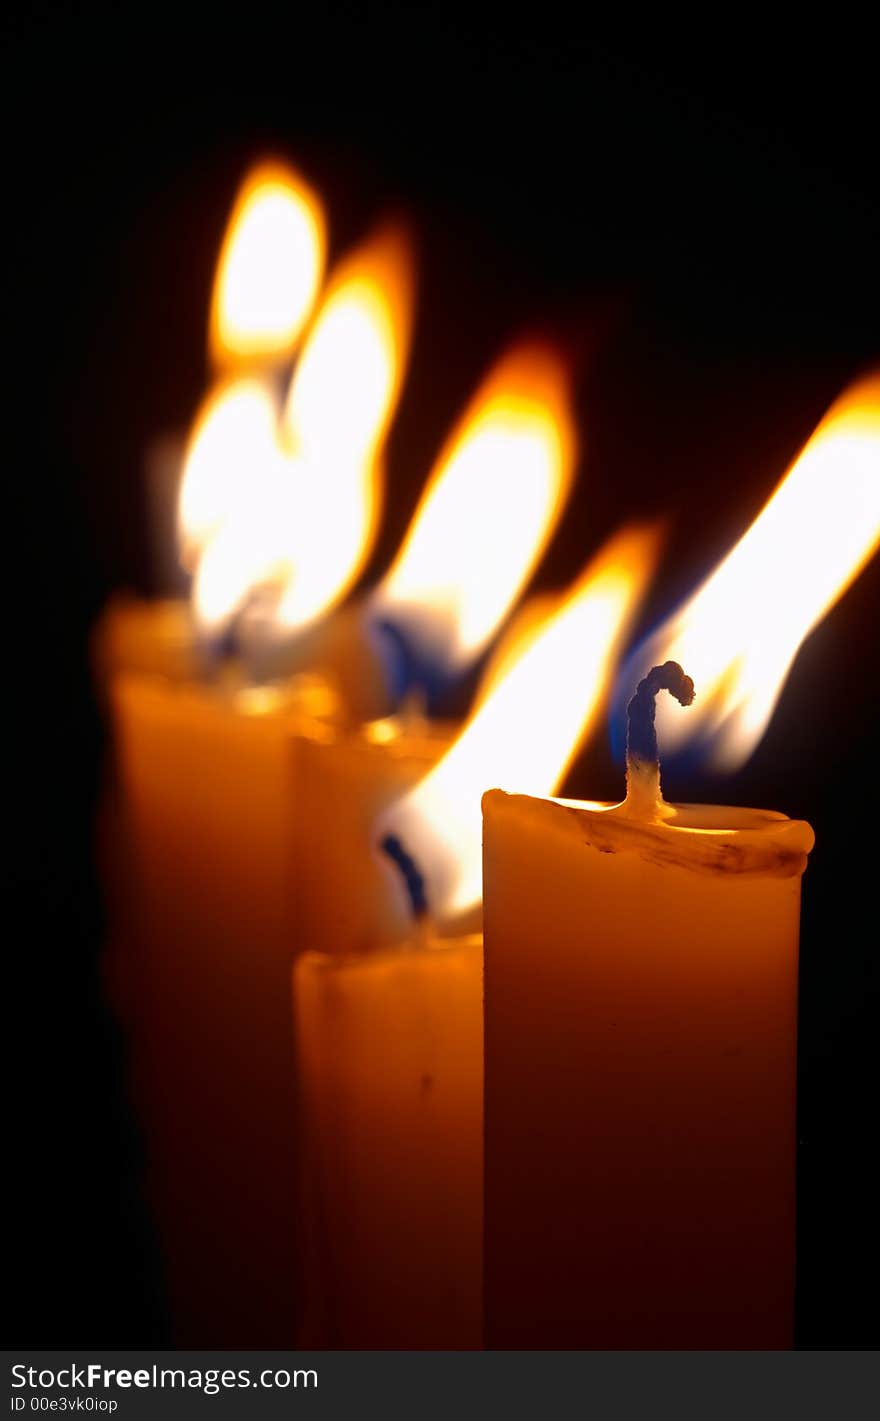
x: 698, y: 211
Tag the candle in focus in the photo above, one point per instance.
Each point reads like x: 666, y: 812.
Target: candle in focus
x: 640, y: 1055
x: 641, y: 977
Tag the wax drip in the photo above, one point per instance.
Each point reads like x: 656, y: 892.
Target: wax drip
x: 643, y: 792
x: 415, y: 883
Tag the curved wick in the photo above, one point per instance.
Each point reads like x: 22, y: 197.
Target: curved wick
x: 643, y: 793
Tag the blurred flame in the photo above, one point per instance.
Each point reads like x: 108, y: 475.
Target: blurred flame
x: 269, y: 269
x: 489, y: 509
x: 526, y: 730
x: 340, y: 405
x: 287, y: 502
x: 231, y: 448
x: 739, y: 634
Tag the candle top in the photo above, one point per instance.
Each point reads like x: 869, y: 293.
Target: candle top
x: 703, y: 838
x: 421, y: 948
x: 155, y: 637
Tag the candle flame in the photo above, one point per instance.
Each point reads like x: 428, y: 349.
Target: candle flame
x: 527, y: 728
x: 270, y: 268
x: 739, y: 634
x: 341, y: 403
x: 488, y: 511
x: 284, y: 501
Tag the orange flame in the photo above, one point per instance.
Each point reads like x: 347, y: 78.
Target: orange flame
x: 270, y: 267
x: 527, y: 728
x: 739, y: 634
x: 489, y: 509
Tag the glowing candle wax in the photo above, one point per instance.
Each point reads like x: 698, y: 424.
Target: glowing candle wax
x: 640, y: 1031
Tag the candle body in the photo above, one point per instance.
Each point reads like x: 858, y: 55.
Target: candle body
x: 390, y: 1050
x: 208, y: 803
x: 640, y: 1018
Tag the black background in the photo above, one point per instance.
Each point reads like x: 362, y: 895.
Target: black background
x: 697, y: 211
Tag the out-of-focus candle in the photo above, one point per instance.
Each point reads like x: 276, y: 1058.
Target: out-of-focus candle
x: 388, y: 1048
x: 208, y: 802
x: 448, y: 590
x: 640, y: 1020
x: 278, y: 506
x: 387, y: 1042
x: 390, y: 1041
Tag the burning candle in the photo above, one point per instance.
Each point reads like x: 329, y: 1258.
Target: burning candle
x: 441, y: 602
x: 641, y: 975
x: 390, y: 1042
x: 267, y: 280
x: 450, y: 586
x: 279, y: 498
x: 206, y: 766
